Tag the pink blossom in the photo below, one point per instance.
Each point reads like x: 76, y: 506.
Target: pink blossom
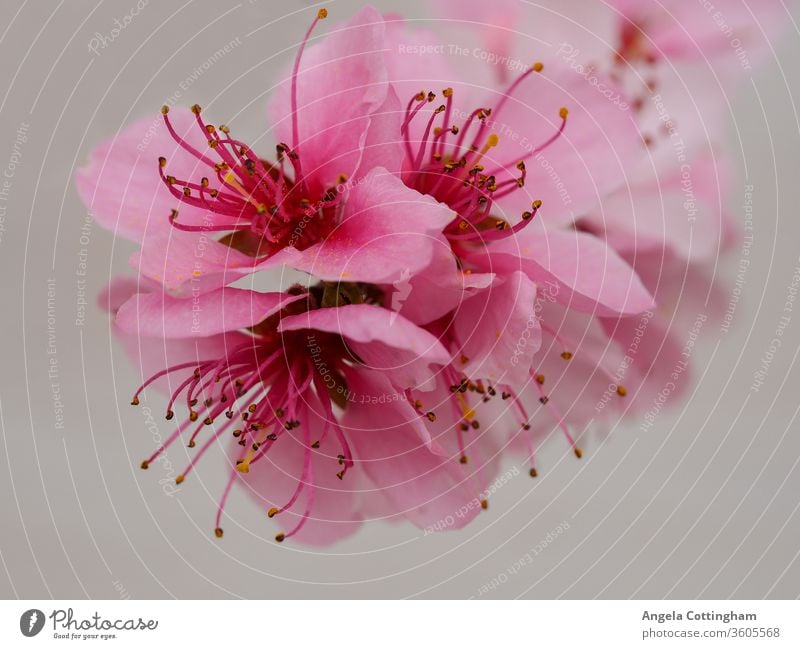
x: 546, y: 135
x: 674, y: 172
x: 676, y: 30
x: 484, y: 160
x: 476, y: 245
x: 521, y: 281
x: 275, y: 369
x: 674, y: 63
x: 329, y: 204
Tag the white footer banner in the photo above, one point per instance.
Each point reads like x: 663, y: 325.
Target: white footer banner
x: 379, y: 624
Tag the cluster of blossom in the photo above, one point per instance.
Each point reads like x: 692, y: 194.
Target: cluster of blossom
x: 484, y: 246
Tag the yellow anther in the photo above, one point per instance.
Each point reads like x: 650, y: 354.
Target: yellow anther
x: 469, y: 413
x: 230, y: 179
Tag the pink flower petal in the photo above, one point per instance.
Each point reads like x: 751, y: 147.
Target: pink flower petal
x: 495, y: 21
x: 681, y: 212
x: 121, y: 185
x: 382, y: 339
x: 183, y: 261
x: 382, y: 145
x: 150, y: 356
x: 584, y: 273
x: 425, y: 487
x: 499, y: 331
x: 118, y: 291
x: 520, y: 30
x: 204, y: 314
x: 438, y: 289
x: 674, y: 29
x: 341, y: 82
x: 599, y: 143
x: 389, y: 232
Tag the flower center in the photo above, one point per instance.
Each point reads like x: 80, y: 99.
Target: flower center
x: 634, y: 45
x: 260, y: 388
x: 262, y: 206
x: 448, y: 162
x: 466, y: 407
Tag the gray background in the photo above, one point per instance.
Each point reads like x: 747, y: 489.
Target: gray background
x: 703, y: 504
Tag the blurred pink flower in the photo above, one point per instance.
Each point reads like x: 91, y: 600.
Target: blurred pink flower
x: 677, y: 30
x: 675, y: 63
